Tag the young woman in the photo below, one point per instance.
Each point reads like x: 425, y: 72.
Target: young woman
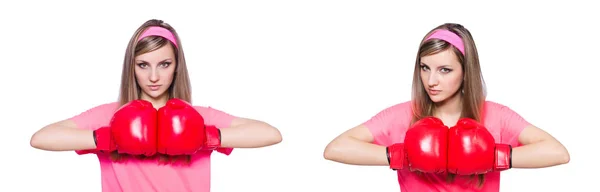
x: 426, y: 140
x: 154, y: 74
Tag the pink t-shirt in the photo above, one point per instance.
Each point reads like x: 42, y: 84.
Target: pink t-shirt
x: 389, y: 126
x: 139, y: 175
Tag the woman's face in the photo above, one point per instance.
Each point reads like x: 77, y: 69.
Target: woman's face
x: 154, y: 72
x: 441, y: 75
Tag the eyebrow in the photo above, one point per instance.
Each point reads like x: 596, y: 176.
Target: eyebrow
x: 142, y: 61
x: 446, y: 66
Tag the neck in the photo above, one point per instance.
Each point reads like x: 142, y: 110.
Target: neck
x: 157, y: 102
x: 449, y: 110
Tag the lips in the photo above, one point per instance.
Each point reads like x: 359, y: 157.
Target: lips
x: 154, y: 87
x: 434, y: 92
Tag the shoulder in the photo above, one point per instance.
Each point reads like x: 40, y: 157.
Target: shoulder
x: 210, y: 111
x: 403, y: 107
x: 392, y: 115
x: 499, y: 113
x: 398, y: 112
x: 199, y: 107
x: 95, y: 116
x: 505, y: 124
x: 110, y: 107
x: 494, y: 107
x: 203, y: 110
x: 498, y: 108
x: 390, y: 124
x: 214, y: 116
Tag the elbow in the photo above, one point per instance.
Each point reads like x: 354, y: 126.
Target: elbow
x: 36, y: 141
x: 330, y: 152
x: 337, y: 149
x: 561, y: 155
x: 272, y: 135
x: 276, y: 137
x: 564, y: 156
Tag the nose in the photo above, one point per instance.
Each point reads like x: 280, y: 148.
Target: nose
x: 433, y: 80
x: 154, y: 77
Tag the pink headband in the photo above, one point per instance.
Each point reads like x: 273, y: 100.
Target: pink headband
x: 159, y: 31
x: 449, y: 37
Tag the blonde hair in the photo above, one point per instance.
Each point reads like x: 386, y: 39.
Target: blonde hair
x: 473, y: 85
x: 130, y: 90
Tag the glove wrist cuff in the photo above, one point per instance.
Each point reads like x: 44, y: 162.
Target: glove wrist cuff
x: 102, y: 139
x: 213, y: 138
x: 396, y: 156
x: 503, y: 157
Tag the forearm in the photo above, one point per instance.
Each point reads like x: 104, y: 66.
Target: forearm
x: 539, y: 155
x: 355, y: 152
x: 60, y: 139
x: 250, y: 135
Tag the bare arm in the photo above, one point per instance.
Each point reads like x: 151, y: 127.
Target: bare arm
x: 249, y: 133
x: 539, y: 150
x: 355, y: 147
x: 62, y: 136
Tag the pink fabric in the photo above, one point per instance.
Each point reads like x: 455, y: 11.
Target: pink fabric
x: 159, y: 31
x: 138, y: 175
x: 449, y: 37
x: 389, y: 127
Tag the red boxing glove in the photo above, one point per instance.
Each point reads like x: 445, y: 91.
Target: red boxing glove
x: 424, y: 148
x: 133, y: 128
x: 182, y: 130
x: 472, y: 150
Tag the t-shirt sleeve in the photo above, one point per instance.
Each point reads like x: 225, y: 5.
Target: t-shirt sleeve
x: 383, y: 124
x: 220, y: 120
x: 512, y: 125
x: 95, y: 117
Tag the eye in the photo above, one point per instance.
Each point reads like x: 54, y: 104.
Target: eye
x: 142, y: 65
x: 446, y: 70
x: 165, y: 64
x: 424, y: 68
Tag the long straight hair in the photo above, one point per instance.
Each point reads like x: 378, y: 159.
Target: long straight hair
x: 472, y: 88
x: 130, y: 90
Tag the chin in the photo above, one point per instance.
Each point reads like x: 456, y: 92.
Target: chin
x: 437, y: 98
x: 155, y: 94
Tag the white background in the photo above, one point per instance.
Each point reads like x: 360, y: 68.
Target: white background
x: 311, y: 68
